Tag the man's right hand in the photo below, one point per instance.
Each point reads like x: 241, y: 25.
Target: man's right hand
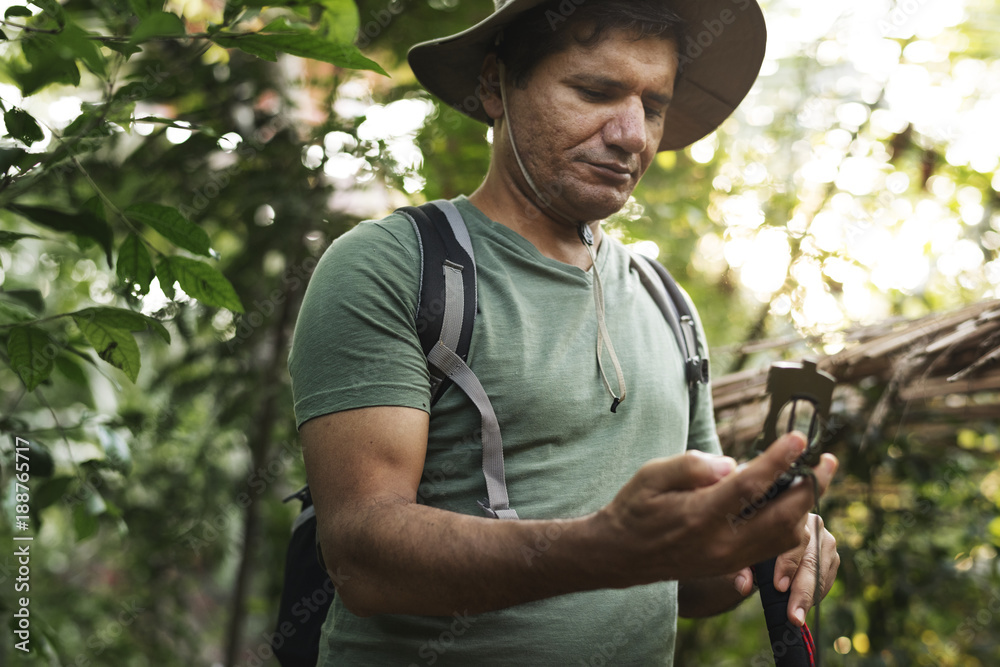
x: 680, y: 517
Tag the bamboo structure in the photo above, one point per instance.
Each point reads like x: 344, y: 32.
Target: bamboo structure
x: 939, y: 371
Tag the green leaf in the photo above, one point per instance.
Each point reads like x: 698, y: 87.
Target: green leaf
x: 340, y: 20
x: 134, y: 264
x: 42, y: 464
x: 31, y: 354
x: 10, y: 157
x: 77, y: 44
x: 249, y: 45
x: 281, y: 24
x: 204, y: 283
x: 7, y: 239
x: 158, y: 24
x: 49, y: 64
x: 16, y: 10
x: 304, y: 45
x: 32, y: 298
x: 116, y: 450
x: 172, y: 226
x: 166, y: 277
x: 90, y: 124
x: 85, y: 524
x: 83, y: 223
x: 73, y: 372
x: 124, y: 48
x: 49, y: 491
x: 115, y: 346
x: 12, y: 313
x: 120, y: 318
x: 22, y: 126
x: 121, y: 115
x: 52, y: 8
x: 144, y: 8
x: 131, y: 92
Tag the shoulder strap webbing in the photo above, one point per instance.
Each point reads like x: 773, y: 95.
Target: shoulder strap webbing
x: 443, y: 237
x: 669, y: 298
x: 446, y: 311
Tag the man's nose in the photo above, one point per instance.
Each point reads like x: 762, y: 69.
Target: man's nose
x: 627, y: 128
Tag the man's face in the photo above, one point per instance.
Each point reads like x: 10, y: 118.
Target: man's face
x: 589, y: 120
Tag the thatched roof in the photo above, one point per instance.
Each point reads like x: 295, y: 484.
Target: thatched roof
x: 940, y: 368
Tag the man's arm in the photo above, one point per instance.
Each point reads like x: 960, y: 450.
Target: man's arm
x: 708, y: 596
x: 395, y: 556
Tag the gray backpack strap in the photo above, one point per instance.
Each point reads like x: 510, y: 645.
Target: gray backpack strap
x: 651, y: 281
x: 458, y: 227
x: 668, y: 297
x: 457, y: 277
x: 498, y: 504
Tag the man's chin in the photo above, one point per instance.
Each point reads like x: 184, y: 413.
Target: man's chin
x: 598, y: 204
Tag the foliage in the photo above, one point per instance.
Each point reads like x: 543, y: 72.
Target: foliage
x: 171, y: 172
x: 139, y: 198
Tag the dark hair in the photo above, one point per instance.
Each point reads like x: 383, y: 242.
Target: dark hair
x: 548, y: 28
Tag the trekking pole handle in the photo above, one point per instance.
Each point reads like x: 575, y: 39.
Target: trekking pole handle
x: 791, y: 646
x: 788, y: 383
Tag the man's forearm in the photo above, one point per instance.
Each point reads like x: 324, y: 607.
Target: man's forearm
x: 708, y: 596
x: 413, y: 559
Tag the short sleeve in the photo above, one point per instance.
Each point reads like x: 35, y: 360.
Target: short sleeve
x: 355, y: 343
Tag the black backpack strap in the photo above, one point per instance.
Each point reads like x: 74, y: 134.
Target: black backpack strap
x: 443, y: 240
x: 695, y: 359
x: 670, y: 299
x: 446, y: 312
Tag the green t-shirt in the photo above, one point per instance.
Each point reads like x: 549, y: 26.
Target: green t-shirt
x: 565, y: 453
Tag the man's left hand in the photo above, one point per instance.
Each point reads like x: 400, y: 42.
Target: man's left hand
x: 797, y: 568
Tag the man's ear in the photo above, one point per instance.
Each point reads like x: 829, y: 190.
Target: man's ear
x: 489, y: 87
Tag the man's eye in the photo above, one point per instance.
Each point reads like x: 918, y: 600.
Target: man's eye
x: 654, y: 113
x: 592, y: 95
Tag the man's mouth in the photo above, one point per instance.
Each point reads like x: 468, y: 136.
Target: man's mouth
x: 613, y: 171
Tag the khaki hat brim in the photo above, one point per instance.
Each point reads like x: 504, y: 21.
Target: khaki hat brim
x: 721, y: 57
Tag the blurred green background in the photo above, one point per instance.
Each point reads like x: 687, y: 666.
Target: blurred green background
x: 858, y: 183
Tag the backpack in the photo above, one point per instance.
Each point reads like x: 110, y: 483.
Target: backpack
x: 446, y: 310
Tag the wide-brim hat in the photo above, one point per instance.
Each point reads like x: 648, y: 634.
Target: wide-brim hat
x: 720, y: 58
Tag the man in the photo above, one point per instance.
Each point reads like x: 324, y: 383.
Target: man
x: 622, y: 513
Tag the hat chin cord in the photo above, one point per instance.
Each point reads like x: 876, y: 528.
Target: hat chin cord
x: 587, y: 237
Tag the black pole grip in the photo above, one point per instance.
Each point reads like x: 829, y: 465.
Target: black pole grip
x: 791, y: 646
